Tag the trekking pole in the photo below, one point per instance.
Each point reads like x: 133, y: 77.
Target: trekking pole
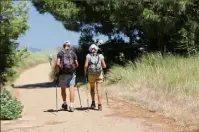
x: 79, y: 96
x: 56, y: 100
x: 87, y: 93
x: 56, y: 81
x: 107, y: 97
x: 106, y: 92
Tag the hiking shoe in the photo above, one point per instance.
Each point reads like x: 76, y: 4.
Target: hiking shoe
x: 93, y: 105
x: 65, y: 107
x: 71, y: 109
x: 100, y: 107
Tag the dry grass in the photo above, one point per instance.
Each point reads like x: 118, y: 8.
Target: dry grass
x: 35, y: 58
x: 167, y: 84
x: 54, y: 70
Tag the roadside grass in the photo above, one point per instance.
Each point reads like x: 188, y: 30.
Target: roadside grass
x: 35, y: 58
x: 166, y: 84
x: 32, y: 60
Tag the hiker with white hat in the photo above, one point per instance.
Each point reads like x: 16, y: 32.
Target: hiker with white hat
x: 93, y: 68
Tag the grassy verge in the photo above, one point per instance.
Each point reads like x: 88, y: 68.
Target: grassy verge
x: 35, y: 58
x: 168, y: 84
x: 32, y: 59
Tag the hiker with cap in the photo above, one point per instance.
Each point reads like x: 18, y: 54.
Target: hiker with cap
x: 93, y: 69
x: 67, y: 63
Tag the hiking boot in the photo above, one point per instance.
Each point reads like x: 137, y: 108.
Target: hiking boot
x: 65, y: 107
x: 71, y: 109
x: 100, y: 107
x: 93, y: 105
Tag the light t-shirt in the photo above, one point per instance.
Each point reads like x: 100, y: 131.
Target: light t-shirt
x: 101, y: 57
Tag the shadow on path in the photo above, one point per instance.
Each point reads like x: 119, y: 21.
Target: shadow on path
x: 80, y: 81
x: 53, y: 110
x: 84, y: 109
x: 37, y: 85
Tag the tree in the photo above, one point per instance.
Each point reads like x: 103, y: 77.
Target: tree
x: 162, y: 25
x: 13, y: 20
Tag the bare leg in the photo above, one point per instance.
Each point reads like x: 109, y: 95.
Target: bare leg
x: 99, y: 91
x: 72, y: 94
x: 92, y: 91
x: 63, y: 93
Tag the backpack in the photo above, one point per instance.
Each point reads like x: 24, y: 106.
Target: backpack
x: 94, y: 64
x: 67, y: 62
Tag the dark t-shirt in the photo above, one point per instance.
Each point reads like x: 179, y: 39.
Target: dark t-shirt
x: 60, y: 55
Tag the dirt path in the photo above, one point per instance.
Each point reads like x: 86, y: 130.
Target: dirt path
x: 38, y: 96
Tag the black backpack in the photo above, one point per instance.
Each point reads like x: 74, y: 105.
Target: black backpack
x: 67, y: 62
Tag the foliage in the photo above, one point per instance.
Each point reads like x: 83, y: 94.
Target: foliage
x: 161, y: 25
x: 13, y: 23
x: 11, y: 108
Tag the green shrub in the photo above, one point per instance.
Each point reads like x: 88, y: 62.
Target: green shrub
x: 11, y: 108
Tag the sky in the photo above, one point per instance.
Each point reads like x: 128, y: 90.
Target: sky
x: 46, y: 33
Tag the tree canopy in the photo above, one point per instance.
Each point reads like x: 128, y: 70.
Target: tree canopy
x: 156, y: 25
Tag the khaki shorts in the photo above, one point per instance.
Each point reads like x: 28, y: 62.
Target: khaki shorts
x: 92, y: 78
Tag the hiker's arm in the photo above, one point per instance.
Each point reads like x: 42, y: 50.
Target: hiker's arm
x: 102, y: 61
x: 75, y: 58
x: 103, y: 64
x: 86, y: 66
x: 58, y: 59
x: 56, y: 70
x: 58, y: 62
x: 76, y: 64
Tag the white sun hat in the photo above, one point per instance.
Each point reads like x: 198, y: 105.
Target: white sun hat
x: 67, y: 42
x: 93, y: 48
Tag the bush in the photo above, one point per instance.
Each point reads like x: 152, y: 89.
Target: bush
x: 11, y: 108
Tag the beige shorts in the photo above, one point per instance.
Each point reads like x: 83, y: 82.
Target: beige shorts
x: 92, y: 78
